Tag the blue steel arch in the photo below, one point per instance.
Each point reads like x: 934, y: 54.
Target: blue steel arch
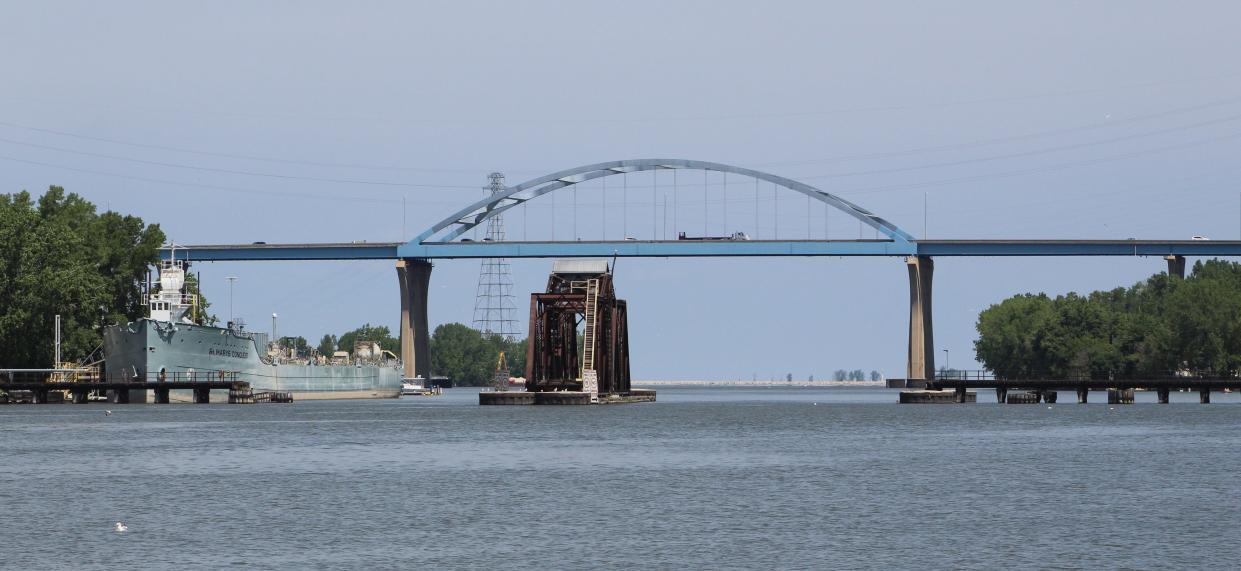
x: 467, y: 218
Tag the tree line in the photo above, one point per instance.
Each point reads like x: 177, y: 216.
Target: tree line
x: 1157, y: 327
x: 458, y: 352
x: 60, y: 255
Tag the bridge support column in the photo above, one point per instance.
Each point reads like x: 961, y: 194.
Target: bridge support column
x: 1163, y: 395
x: 1001, y: 395
x: 161, y: 396
x: 1204, y: 396
x: 414, y: 275
x: 921, y: 363
x: 1083, y: 395
x: 1176, y: 266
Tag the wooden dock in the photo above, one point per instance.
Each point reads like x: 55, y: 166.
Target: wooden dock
x: 1119, y: 391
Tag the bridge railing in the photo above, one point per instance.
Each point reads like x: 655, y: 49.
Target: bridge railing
x: 987, y: 375
x: 12, y: 376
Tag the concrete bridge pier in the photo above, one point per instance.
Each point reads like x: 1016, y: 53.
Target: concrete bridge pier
x: 921, y: 363
x: 1163, y: 395
x: 1083, y: 395
x: 1204, y: 396
x: 414, y: 275
x: 1176, y: 266
x: 1001, y: 395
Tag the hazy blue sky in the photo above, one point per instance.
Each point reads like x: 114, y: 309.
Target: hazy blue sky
x: 300, y: 121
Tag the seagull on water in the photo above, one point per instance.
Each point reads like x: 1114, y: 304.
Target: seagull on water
x: 121, y: 528
x: 107, y: 413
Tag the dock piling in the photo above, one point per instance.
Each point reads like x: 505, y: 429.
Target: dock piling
x: 1163, y: 395
x: 1204, y: 396
x: 1083, y: 395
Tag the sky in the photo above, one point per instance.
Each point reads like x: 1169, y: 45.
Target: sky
x: 234, y: 122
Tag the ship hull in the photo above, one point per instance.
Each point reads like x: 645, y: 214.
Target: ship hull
x: 146, y: 349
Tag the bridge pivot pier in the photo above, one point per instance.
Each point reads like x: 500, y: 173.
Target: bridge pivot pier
x: 414, y: 275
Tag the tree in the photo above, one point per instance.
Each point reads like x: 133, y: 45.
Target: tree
x: 840, y: 375
x: 875, y: 376
x: 376, y: 333
x: 327, y: 345
x: 299, y: 344
x: 59, y: 256
x: 857, y: 375
x: 1151, y: 328
x: 460, y: 353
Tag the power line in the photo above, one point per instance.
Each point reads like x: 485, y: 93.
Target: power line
x: 231, y: 171
x: 1042, y: 151
x: 233, y: 155
x: 201, y: 185
x: 1009, y: 138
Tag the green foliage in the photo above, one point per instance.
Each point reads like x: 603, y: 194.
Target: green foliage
x: 469, y: 359
x: 377, y: 333
x: 202, y: 314
x: 1152, y: 328
x: 299, y: 344
x: 59, y: 256
x: 327, y: 345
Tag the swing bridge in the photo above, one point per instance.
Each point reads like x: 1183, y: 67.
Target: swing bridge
x: 446, y: 241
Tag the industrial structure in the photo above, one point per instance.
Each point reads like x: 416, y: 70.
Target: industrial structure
x: 494, y: 309
x: 580, y: 293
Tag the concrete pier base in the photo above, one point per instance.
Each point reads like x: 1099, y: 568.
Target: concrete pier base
x: 1120, y: 396
x: 561, y: 398
x: 1023, y: 397
x: 79, y: 397
x: 202, y: 396
x: 161, y: 396
x: 1001, y: 395
x: 1083, y: 395
x: 1163, y: 396
x: 1204, y: 396
x: 1049, y: 397
x: 936, y: 397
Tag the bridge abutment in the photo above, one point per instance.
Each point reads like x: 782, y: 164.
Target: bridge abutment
x: 921, y: 363
x: 414, y: 275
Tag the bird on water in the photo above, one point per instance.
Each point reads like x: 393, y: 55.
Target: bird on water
x: 121, y: 528
x: 107, y: 413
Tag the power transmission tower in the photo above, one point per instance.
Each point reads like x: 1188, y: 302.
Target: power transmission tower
x: 494, y: 308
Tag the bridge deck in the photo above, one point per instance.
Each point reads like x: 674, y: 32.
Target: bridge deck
x: 703, y: 248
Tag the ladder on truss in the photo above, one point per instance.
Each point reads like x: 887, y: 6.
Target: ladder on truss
x: 590, y: 377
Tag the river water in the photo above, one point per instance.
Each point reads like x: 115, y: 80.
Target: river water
x: 707, y: 478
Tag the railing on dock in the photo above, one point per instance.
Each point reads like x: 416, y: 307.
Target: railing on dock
x: 54, y: 385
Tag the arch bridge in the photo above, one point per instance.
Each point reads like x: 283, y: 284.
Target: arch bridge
x: 443, y: 240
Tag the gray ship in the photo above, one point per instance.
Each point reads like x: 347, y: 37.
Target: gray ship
x: 168, y: 345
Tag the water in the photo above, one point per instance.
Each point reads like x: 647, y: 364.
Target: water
x: 707, y: 478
